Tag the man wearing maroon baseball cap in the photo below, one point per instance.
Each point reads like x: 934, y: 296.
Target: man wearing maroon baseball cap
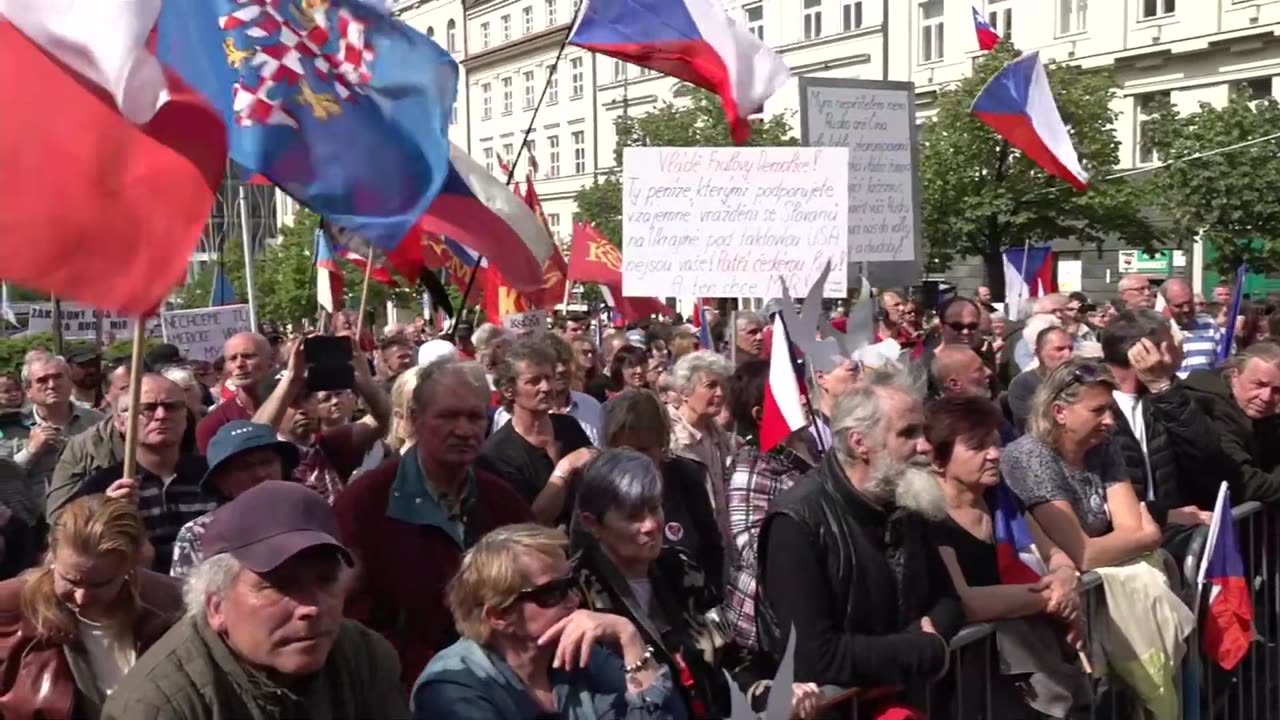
x: 264, y: 634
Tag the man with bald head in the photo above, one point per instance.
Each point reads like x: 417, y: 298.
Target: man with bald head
x: 249, y: 363
x: 958, y: 371
x: 1201, y: 336
x: 166, y: 486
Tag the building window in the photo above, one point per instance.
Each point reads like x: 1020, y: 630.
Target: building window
x: 812, y: 19
x: 553, y: 156
x: 506, y: 28
x: 1001, y: 20
x: 486, y: 101
x: 551, y: 12
x: 431, y: 32
x: 508, y: 153
x: 484, y: 35
x: 1071, y: 16
x: 851, y: 16
x: 553, y: 85
x: 488, y: 159
x: 451, y: 36
x: 1259, y: 88
x: 1156, y: 8
x: 645, y: 72
x: 575, y: 78
x: 553, y: 220
x: 529, y: 90
x: 619, y: 71
x: 931, y: 14
x: 1147, y: 106
x: 533, y: 161
x: 506, y: 96
x: 579, y: 152
x: 755, y: 21
x: 526, y: 20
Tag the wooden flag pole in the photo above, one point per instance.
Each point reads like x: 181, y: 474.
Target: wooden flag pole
x: 135, y: 397
x: 364, y: 295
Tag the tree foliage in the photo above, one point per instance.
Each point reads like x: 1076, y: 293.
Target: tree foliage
x: 980, y: 196
x: 698, y: 123
x: 1229, y: 197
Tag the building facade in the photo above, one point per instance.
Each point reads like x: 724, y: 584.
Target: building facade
x: 512, y: 63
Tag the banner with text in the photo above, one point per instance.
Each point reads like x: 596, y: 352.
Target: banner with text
x: 728, y: 222
x: 79, y: 322
x: 201, y: 333
x: 876, y: 122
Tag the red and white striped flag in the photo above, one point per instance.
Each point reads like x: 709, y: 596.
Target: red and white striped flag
x: 783, y: 409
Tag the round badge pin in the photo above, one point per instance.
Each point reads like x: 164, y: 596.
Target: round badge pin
x: 674, y: 531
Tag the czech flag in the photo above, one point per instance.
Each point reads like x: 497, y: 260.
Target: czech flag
x: 988, y: 38
x: 480, y: 211
x: 1028, y: 273
x: 328, y: 275
x: 783, y: 409
x: 111, y: 162
x: 693, y: 40
x: 1016, y: 556
x: 1228, y: 623
x: 1018, y: 104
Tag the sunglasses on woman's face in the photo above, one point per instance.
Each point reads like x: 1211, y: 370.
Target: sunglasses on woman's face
x: 549, y: 594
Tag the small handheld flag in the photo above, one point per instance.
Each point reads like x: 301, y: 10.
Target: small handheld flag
x: 783, y: 410
x: 1018, y: 104
x: 1237, y: 294
x: 988, y: 38
x: 1016, y: 555
x: 1228, y: 621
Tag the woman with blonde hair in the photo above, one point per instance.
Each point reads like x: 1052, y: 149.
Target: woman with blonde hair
x: 400, y: 436
x: 71, y: 628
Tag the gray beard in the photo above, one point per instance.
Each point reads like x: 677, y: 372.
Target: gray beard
x: 910, y: 485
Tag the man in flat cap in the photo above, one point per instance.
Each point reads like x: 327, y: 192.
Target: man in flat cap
x: 264, y: 635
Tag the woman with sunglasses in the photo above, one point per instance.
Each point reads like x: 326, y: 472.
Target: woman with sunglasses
x: 1071, y: 477
x: 528, y: 652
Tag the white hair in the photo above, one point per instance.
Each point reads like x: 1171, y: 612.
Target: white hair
x: 1049, y: 303
x: 211, y: 577
x: 698, y: 364
x: 39, y: 357
x: 486, y: 335
x: 180, y: 375
x: 748, y: 317
x: 859, y: 409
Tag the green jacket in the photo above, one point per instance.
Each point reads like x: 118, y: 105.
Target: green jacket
x: 191, y: 674
x: 97, y: 448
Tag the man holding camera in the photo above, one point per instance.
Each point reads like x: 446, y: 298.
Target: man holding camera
x: 328, y: 458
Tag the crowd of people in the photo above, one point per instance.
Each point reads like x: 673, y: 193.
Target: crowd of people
x: 583, y: 524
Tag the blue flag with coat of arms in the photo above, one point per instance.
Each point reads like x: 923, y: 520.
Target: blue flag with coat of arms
x: 338, y: 103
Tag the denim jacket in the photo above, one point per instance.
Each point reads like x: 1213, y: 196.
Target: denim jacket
x: 467, y: 681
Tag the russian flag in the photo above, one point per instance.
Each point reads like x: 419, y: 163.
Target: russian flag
x: 1028, y: 273
x: 783, y: 410
x: 479, y: 211
x: 693, y: 40
x: 1016, y: 556
x: 1018, y: 104
x: 328, y: 275
x: 1228, y: 623
x: 988, y: 38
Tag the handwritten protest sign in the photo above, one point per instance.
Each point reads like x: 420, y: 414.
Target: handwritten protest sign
x: 526, y: 323
x: 876, y: 122
x: 201, y: 333
x: 79, y: 322
x: 728, y: 222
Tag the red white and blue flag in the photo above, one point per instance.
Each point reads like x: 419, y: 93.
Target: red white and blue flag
x: 988, y: 38
x: 1028, y: 273
x: 329, y: 291
x: 1227, y: 629
x: 783, y: 411
x: 338, y: 103
x: 1018, y: 104
x: 1016, y: 556
x: 692, y: 40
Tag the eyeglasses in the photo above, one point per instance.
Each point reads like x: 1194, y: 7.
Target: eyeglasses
x: 963, y: 327
x: 549, y: 594
x: 149, y: 409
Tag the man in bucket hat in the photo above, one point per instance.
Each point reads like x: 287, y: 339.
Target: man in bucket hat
x: 242, y: 454
x: 264, y: 635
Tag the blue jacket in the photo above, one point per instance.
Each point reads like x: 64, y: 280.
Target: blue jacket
x: 466, y: 681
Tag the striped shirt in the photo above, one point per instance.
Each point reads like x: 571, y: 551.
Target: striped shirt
x: 166, y: 504
x: 1200, y: 340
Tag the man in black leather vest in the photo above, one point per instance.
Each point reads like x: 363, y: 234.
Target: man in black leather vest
x: 844, y: 558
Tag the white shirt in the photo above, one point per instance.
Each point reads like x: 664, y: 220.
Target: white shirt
x: 582, y: 407
x: 1131, y: 407
x: 108, y: 658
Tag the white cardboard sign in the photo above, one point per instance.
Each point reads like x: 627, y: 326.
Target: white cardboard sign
x: 522, y: 324
x: 79, y: 321
x: 201, y: 333
x: 729, y: 222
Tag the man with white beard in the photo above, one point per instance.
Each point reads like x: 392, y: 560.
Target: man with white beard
x: 844, y: 558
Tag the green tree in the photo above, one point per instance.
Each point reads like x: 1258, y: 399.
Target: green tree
x: 1228, y: 198
x: 698, y: 123
x: 980, y: 196
x: 197, y: 292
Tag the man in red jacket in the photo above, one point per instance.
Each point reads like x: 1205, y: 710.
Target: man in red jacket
x: 409, y: 520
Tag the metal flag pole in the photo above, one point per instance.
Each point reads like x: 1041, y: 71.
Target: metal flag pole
x: 243, y: 202
x: 546, y: 86
x: 364, y: 295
